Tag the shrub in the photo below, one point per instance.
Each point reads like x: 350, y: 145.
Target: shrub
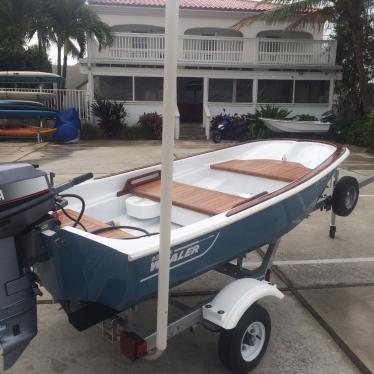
x: 90, y: 132
x: 360, y: 132
x: 305, y: 117
x: 111, y: 116
x: 152, y: 122
x: 271, y: 111
x: 137, y: 132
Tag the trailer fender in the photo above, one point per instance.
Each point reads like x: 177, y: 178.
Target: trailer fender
x: 226, y: 309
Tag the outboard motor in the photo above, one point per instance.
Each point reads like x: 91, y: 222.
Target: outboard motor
x: 26, y: 198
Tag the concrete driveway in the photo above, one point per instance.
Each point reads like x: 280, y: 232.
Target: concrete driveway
x: 336, y: 277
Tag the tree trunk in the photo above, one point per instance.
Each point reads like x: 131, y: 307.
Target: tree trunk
x: 59, y: 62
x: 59, y: 52
x: 40, y: 52
x: 357, y: 28
x: 64, y: 69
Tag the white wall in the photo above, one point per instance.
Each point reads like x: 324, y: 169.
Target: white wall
x: 136, y: 109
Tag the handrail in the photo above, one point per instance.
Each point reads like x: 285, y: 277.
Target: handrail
x: 223, y: 50
x: 235, y: 38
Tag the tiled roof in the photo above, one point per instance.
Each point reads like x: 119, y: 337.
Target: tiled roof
x: 246, y: 5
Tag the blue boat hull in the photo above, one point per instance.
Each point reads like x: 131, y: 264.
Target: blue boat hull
x: 84, y: 270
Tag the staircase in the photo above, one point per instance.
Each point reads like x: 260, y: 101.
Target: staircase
x: 192, y: 131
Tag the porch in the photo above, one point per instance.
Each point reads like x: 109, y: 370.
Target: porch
x: 196, y: 50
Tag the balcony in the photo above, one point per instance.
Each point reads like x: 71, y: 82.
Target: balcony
x: 218, y: 51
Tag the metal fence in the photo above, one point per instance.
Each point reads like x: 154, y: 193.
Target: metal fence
x: 59, y: 99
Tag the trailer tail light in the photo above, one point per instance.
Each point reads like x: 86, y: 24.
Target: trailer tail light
x: 132, y: 346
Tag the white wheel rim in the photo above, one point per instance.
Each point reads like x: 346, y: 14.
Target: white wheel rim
x: 252, y: 341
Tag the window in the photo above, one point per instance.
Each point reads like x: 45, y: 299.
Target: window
x: 244, y: 90
x: 149, y: 89
x: 275, y: 91
x: 312, y: 91
x: 230, y: 90
x: 220, y: 90
x: 113, y: 88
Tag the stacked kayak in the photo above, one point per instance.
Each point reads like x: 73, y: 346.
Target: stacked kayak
x: 25, y: 95
x: 19, y: 109
x: 10, y: 109
x: 29, y: 77
x: 23, y: 131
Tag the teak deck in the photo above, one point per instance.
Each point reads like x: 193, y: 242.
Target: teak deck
x: 189, y: 197
x: 285, y: 171
x: 92, y: 224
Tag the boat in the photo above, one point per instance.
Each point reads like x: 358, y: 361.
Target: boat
x: 29, y: 77
x: 94, y: 244
x: 290, y: 126
x: 27, y: 113
x: 25, y: 109
x: 226, y: 203
x: 27, y: 103
x: 22, y: 131
x: 25, y: 95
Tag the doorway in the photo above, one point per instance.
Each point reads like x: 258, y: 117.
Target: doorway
x: 190, y: 99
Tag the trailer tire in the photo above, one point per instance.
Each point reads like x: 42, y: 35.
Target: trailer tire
x: 241, y: 349
x: 345, y: 196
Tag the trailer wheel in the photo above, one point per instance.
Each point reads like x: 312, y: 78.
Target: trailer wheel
x: 345, y: 196
x: 242, y: 348
x: 332, y: 232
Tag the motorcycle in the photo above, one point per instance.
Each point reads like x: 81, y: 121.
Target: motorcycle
x: 233, y: 127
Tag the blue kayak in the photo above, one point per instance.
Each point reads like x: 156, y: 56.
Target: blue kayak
x: 20, y: 103
x: 27, y: 114
x: 29, y: 77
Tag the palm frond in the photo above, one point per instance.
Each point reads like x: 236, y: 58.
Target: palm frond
x: 296, y: 12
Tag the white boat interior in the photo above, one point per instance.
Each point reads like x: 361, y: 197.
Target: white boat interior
x: 206, y: 187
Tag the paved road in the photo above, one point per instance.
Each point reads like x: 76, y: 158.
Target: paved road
x: 338, y: 283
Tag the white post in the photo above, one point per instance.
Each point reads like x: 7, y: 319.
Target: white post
x: 254, y: 93
x: 206, y: 121
x: 91, y: 84
x: 170, y: 103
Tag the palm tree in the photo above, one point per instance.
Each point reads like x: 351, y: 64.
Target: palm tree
x: 69, y: 23
x: 15, y: 19
x: 316, y: 13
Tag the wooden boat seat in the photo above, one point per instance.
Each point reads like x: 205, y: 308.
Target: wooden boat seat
x: 285, y: 171
x: 92, y: 224
x: 198, y: 199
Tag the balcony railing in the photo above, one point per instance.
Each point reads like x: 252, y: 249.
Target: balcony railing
x: 218, y: 51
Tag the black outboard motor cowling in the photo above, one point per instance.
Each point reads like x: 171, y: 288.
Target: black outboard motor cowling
x: 25, y: 198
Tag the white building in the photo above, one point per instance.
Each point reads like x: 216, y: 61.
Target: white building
x: 218, y: 67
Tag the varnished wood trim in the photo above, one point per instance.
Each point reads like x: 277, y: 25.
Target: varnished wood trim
x: 336, y: 155
x: 246, y: 201
x: 138, y: 181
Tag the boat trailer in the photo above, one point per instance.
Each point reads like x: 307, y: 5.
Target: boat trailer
x: 243, y: 325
